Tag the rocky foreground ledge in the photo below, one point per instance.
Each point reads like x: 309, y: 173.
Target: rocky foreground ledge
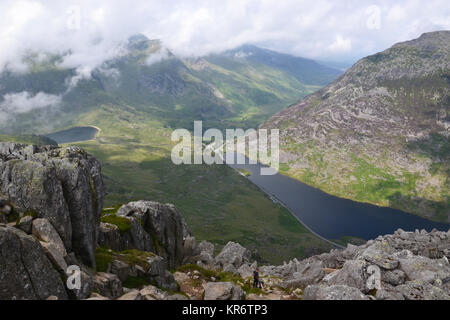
x: 52, y: 220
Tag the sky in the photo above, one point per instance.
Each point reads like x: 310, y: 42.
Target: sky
x: 92, y: 31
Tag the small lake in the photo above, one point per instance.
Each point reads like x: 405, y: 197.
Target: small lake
x: 332, y: 217
x: 75, y: 134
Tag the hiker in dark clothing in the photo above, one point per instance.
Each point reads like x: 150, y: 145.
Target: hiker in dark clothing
x: 256, y: 278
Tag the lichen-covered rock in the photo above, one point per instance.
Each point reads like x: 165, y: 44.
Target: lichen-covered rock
x: 109, y: 237
x: 207, y: 247
x: 25, y: 224
x: 121, y: 269
x: 25, y: 271
x: 64, y: 186
x: 310, y: 274
x: 157, y: 273
x: 153, y: 293
x: 44, y: 231
x: 108, y: 285
x: 232, y: 256
x: 393, y: 277
x: 379, y: 254
x: 353, y: 274
x: 164, y: 224
x: 426, y: 269
x: 191, y: 247
x: 335, y: 292
x: 223, y: 291
x: 421, y: 290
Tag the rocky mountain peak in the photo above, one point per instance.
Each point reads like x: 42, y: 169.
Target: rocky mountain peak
x: 385, y: 119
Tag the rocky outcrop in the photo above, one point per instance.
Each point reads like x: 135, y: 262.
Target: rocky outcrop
x: 335, y: 292
x: 64, y: 186
x: 26, y: 272
x: 223, y: 291
x: 232, y: 257
x: 108, y: 285
x: 386, y: 268
x: 163, y: 223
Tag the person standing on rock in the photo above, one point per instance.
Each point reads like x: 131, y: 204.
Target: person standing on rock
x: 256, y: 278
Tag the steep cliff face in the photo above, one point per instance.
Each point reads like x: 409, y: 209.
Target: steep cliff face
x: 64, y: 186
x: 379, y: 133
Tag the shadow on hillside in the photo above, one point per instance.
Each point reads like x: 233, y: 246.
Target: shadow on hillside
x: 434, y: 210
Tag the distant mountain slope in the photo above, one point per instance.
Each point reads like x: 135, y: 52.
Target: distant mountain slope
x: 222, y: 90
x: 304, y: 70
x: 379, y: 133
x: 28, y: 139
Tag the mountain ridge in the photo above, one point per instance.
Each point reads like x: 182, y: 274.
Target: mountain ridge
x: 379, y: 133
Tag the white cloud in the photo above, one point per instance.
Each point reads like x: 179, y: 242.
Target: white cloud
x: 340, y: 45
x: 16, y: 103
x: 93, y: 31
x: 163, y: 54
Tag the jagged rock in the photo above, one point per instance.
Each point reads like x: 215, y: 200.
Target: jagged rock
x: 162, y: 222
x: 223, y: 291
x: 190, y: 247
x: 312, y: 273
x: 62, y: 185
x: 55, y: 255
x: 422, y: 268
x: 121, y: 269
x: 153, y: 293
x: 246, y: 271
x: 421, y: 290
x: 109, y: 236
x: 51, y: 242
x: 207, y: 246
x: 108, y: 285
x: 203, y: 259
x: 380, y: 254
x: 353, y: 274
x: 44, y: 231
x: 25, y: 224
x: 26, y: 272
x: 334, y: 260
x: 87, y: 286
x: 232, y: 256
x: 335, y: 292
x: 394, y: 277
x: 158, y: 274
x: 388, y: 292
x: 136, y: 238
x: 132, y: 295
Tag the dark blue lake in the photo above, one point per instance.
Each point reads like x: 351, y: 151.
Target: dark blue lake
x: 75, y: 134
x: 333, y: 217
